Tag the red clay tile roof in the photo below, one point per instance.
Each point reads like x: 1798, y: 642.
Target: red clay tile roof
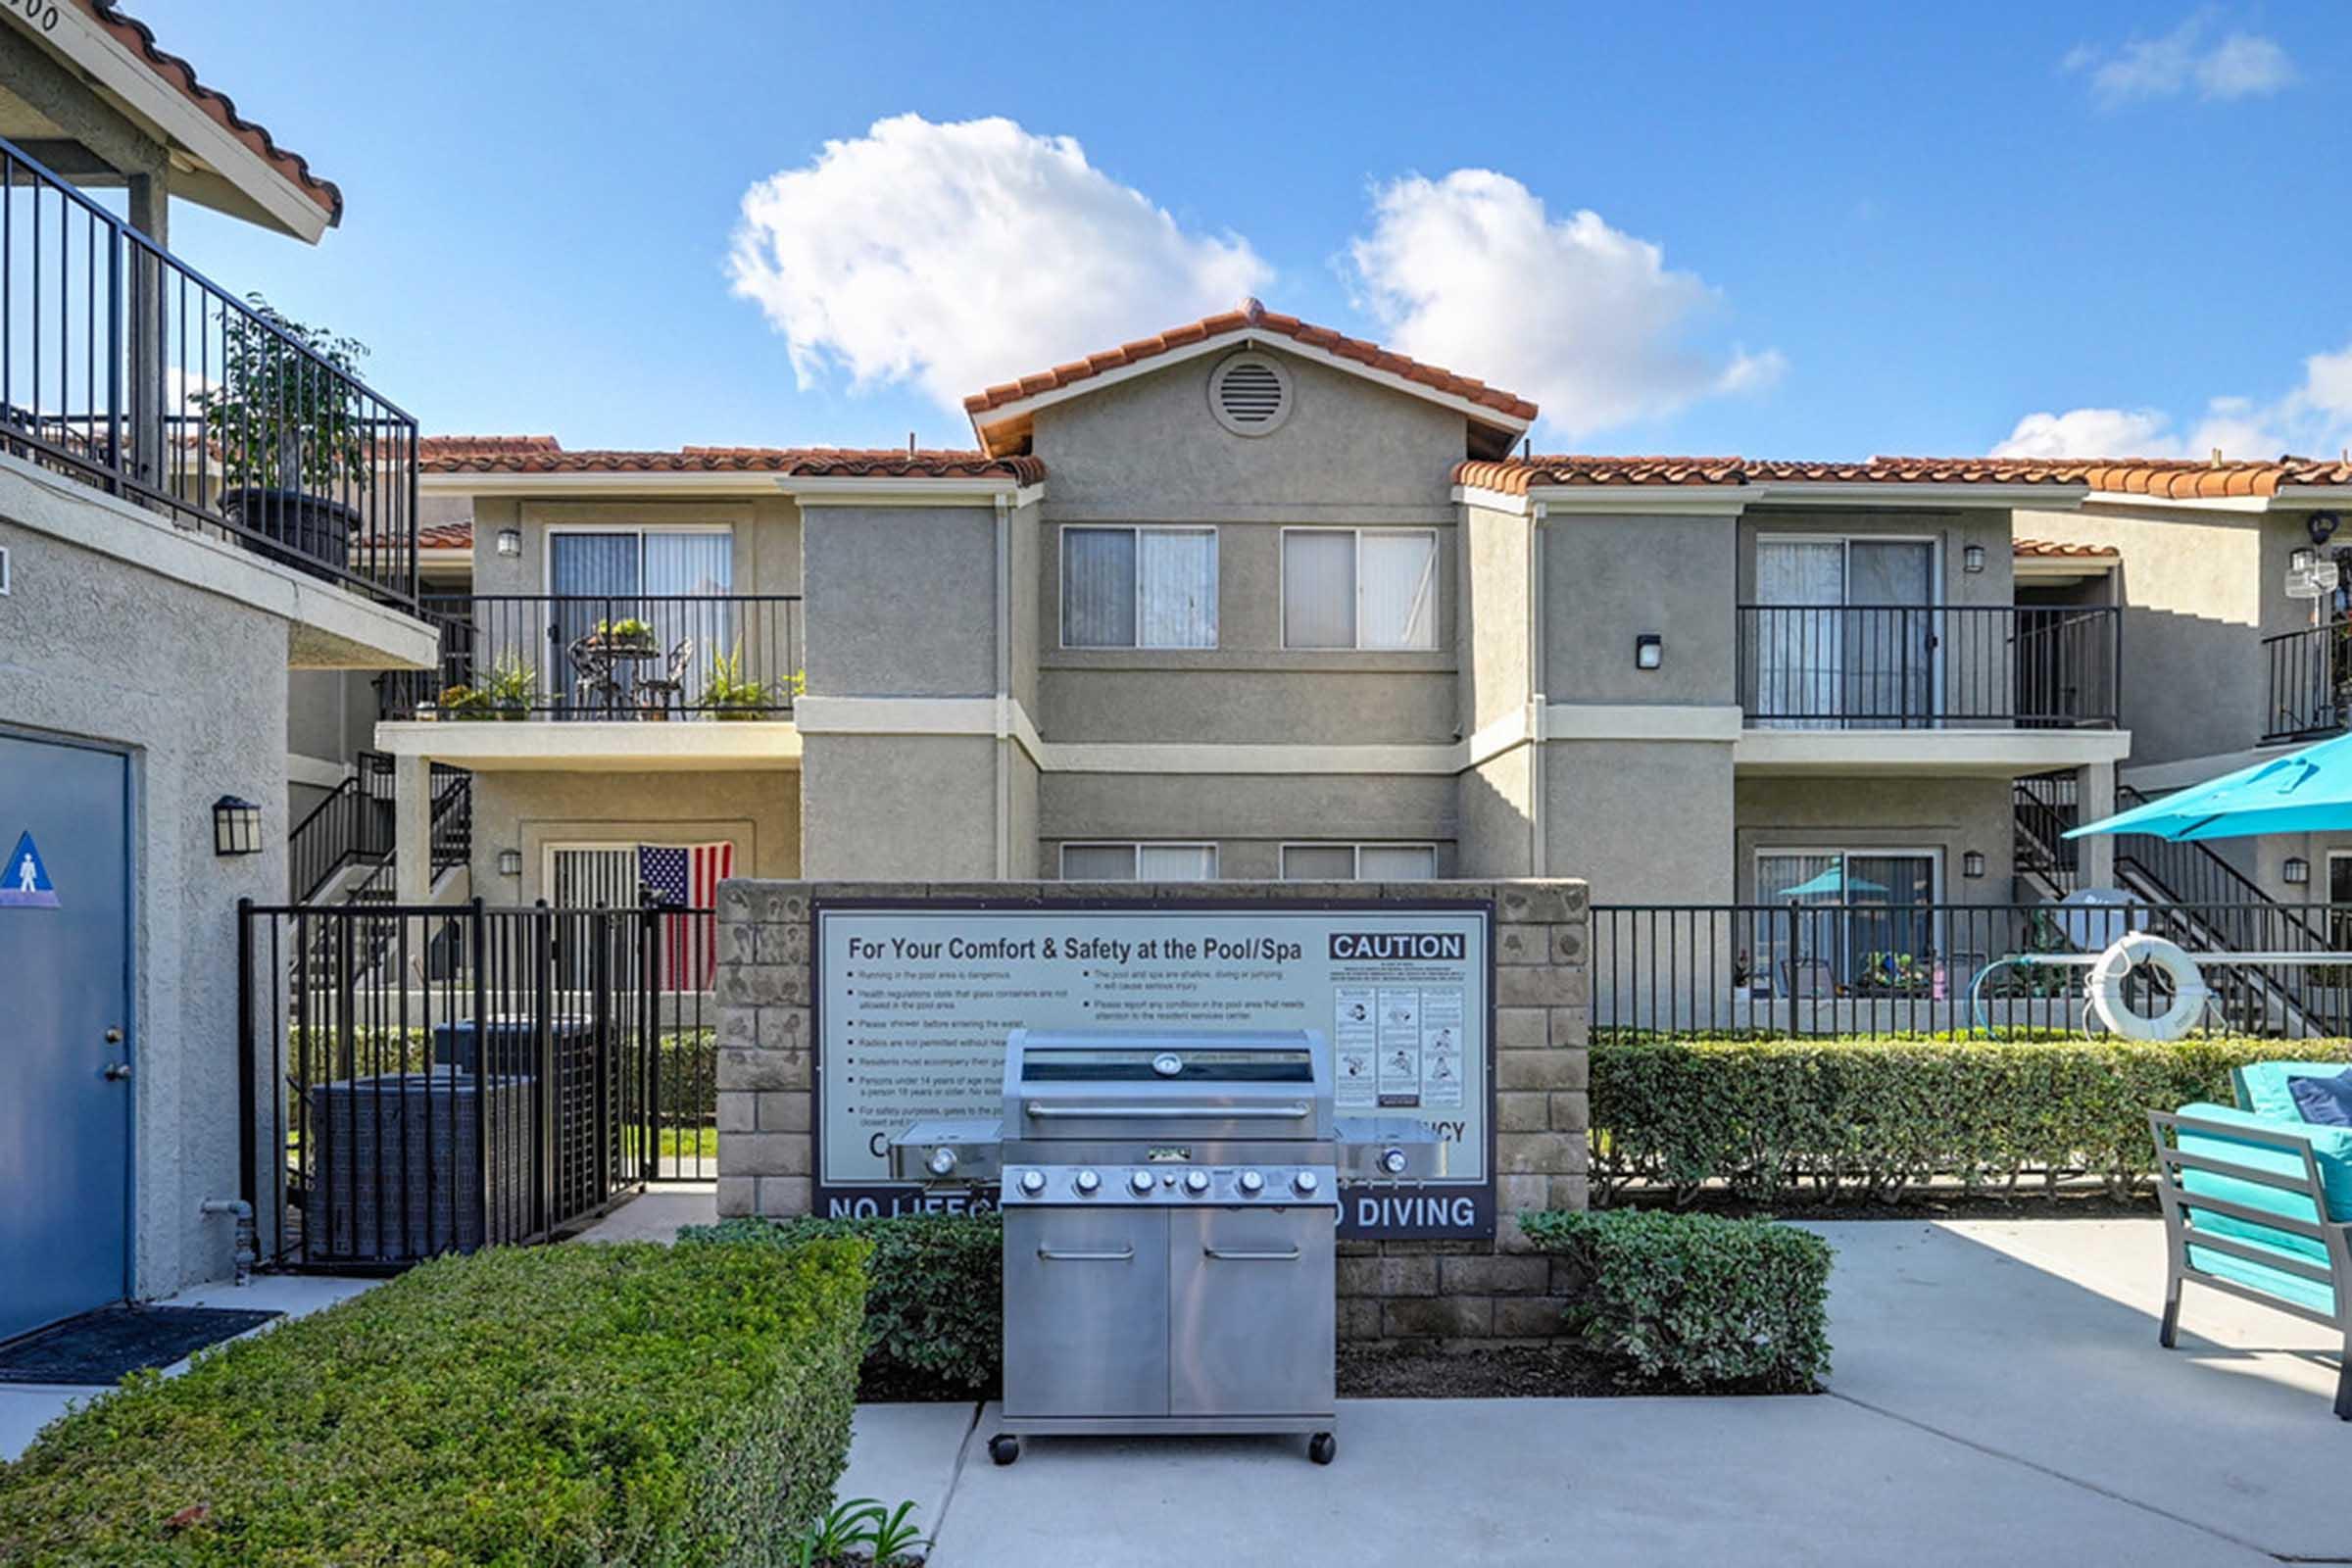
x: 483, y: 446
x: 446, y: 535
x: 2050, y: 550
x: 1253, y: 317
x: 1516, y: 475
x: 177, y: 74
x: 513, y: 457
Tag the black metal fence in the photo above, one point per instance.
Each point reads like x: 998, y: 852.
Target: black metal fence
x: 418, y: 1080
x: 126, y: 368
x: 605, y: 656
x: 2308, y: 680
x: 1911, y: 666
x: 1825, y: 969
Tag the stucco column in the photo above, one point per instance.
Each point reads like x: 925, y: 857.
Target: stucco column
x: 412, y: 830
x: 2094, y: 799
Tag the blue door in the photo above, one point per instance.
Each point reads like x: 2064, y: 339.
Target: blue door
x: 65, y: 1049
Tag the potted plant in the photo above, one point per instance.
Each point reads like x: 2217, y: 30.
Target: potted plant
x: 463, y: 703
x: 727, y: 694
x: 512, y: 689
x: 289, y: 434
x: 627, y: 633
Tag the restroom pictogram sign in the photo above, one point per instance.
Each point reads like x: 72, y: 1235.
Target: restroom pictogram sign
x: 24, y: 880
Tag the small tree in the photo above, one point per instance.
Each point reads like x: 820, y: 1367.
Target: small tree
x: 286, y: 412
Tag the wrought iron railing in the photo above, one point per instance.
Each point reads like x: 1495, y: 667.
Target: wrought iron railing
x: 127, y: 370
x: 2308, y: 683
x: 1822, y: 969
x: 354, y: 825
x: 1922, y: 666
x: 605, y: 657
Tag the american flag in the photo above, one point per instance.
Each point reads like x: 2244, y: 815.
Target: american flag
x: 686, y: 876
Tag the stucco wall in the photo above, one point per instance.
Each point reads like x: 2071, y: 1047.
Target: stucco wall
x: 766, y: 533
x: 899, y: 806
x: 1952, y: 816
x: 1446, y: 1291
x: 1496, y: 823
x: 1609, y: 580
x: 759, y: 812
x: 193, y: 687
x: 901, y: 602
x: 1642, y: 821
x: 1247, y: 816
x: 1492, y: 622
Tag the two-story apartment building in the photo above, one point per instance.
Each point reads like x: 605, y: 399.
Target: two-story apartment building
x: 176, y: 550
x: 1251, y: 599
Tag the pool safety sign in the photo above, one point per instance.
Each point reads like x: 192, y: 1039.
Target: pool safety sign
x: 25, y: 884
x: 915, y: 1003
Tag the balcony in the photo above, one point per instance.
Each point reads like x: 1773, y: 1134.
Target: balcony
x: 125, y: 370
x: 1927, y: 666
x: 2308, y: 683
x: 605, y: 658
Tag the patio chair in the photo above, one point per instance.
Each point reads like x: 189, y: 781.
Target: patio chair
x: 1808, y: 979
x: 661, y: 691
x: 2258, y: 1208
x: 595, y: 684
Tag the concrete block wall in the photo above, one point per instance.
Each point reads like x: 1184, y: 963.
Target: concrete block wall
x: 1389, y: 1290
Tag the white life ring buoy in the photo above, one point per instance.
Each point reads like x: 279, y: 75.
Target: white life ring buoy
x: 2106, y: 987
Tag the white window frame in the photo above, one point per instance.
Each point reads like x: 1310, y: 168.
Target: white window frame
x: 1136, y: 846
x: 1355, y: 849
x: 549, y: 851
x: 1437, y: 598
x: 1061, y: 586
x: 547, y: 549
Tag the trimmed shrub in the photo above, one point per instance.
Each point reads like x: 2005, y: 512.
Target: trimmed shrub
x: 1695, y: 1301
x: 1780, y: 1120
x: 562, y: 1405
x: 935, y: 1317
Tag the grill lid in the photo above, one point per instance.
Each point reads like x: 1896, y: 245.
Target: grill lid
x: 1109, y: 1084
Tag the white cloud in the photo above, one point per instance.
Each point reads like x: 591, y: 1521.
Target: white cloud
x: 953, y: 256
x: 2314, y: 418
x: 2240, y: 65
x: 1471, y: 272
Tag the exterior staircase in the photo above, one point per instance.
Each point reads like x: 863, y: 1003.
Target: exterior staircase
x: 342, y: 854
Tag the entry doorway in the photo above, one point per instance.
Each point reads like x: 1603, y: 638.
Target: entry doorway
x: 1846, y: 632
x: 65, y: 1075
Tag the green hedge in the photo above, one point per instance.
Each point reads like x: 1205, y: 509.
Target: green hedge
x: 935, y: 1318
x: 1775, y: 1121
x: 1697, y: 1301
x: 557, y: 1405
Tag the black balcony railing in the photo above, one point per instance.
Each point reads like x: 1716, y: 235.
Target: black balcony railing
x: 1924, y: 666
x: 1814, y: 968
x: 2308, y: 678
x: 605, y: 657
x: 354, y: 825
x: 125, y: 368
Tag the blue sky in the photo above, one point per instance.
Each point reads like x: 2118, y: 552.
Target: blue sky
x: 1897, y: 230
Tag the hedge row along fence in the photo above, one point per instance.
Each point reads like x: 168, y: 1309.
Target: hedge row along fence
x: 565, y: 1404
x: 1823, y: 1120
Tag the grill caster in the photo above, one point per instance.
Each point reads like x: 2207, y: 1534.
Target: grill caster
x: 1004, y: 1450
x: 1322, y: 1447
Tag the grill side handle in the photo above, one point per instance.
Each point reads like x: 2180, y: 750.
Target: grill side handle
x: 1056, y: 1256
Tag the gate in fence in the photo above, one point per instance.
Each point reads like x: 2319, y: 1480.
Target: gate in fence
x: 418, y: 1080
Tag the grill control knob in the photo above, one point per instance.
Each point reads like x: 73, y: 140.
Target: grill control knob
x: 1392, y: 1161
x: 1032, y: 1182
x: 1086, y: 1182
x: 942, y: 1161
x: 1250, y: 1183
x: 1196, y: 1182
x: 1139, y: 1182
x: 1306, y: 1182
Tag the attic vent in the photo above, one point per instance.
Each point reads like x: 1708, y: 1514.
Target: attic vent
x: 1249, y: 394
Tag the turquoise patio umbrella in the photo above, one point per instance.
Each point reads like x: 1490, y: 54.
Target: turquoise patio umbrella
x: 2309, y: 790
x: 1829, y: 881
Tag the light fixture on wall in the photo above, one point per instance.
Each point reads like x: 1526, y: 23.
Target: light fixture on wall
x: 1972, y: 865
x: 1972, y: 558
x: 2322, y: 526
x: 1649, y: 651
x: 2295, y: 871
x: 236, y: 826
x: 509, y: 541
x: 509, y: 863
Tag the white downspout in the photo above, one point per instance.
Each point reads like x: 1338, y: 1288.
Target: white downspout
x: 1539, y: 858
x: 1004, y: 704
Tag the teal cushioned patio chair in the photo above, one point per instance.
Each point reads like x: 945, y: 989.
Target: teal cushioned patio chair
x: 2260, y: 1207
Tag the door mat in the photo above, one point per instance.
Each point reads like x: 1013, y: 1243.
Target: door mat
x: 104, y: 1346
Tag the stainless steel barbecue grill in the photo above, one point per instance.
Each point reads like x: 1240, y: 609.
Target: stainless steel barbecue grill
x: 1169, y: 1202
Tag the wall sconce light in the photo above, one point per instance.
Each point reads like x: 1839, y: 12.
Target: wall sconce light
x: 509, y: 863
x: 1972, y: 558
x: 236, y: 826
x: 1972, y: 865
x: 2295, y: 871
x: 2322, y: 526
x: 1649, y: 651
x: 509, y: 541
